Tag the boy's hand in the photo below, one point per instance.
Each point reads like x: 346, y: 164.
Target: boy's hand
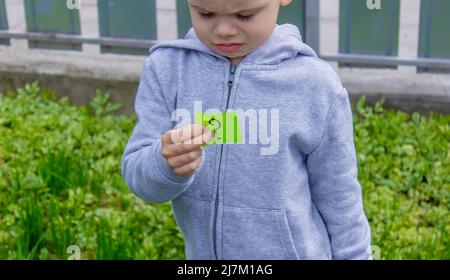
x: 182, y: 148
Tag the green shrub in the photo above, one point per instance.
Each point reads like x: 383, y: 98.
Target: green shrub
x: 61, y: 185
x: 404, y: 169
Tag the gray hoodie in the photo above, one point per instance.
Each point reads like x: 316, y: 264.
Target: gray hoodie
x: 289, y: 190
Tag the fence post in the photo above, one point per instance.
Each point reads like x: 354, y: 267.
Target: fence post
x: 313, y: 24
x: 16, y: 23
x: 166, y: 20
x: 329, y: 29
x: 408, y: 41
x: 90, y: 24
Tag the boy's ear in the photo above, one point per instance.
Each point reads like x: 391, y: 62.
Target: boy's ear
x: 284, y: 3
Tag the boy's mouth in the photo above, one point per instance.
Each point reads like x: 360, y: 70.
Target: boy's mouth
x: 229, y: 47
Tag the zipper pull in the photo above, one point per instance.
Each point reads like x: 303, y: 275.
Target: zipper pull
x: 231, y: 76
x: 233, y: 69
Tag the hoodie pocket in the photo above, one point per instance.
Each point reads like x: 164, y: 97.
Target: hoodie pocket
x: 256, y: 234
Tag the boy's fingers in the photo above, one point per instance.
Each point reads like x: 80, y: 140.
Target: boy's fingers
x: 178, y: 136
x: 189, y: 168
x: 186, y: 158
x: 201, y: 139
x: 172, y: 150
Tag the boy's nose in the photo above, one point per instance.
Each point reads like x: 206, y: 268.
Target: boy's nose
x: 225, y: 29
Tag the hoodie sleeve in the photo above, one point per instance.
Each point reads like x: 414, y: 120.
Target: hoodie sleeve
x: 335, y: 189
x: 144, y: 168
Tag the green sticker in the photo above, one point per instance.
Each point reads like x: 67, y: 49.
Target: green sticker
x: 225, y: 127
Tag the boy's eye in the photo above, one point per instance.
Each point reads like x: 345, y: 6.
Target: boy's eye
x: 240, y: 17
x: 244, y: 18
x: 206, y: 15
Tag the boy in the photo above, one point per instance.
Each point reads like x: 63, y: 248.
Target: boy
x: 299, y: 200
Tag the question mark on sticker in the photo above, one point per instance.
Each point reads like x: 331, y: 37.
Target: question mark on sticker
x: 215, y: 125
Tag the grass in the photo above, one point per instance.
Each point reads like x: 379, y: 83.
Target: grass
x: 60, y: 182
x: 404, y: 168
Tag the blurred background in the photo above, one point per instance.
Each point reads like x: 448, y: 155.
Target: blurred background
x: 69, y: 71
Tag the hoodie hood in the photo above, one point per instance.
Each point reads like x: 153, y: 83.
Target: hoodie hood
x: 284, y: 43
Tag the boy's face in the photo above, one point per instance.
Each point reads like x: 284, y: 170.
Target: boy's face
x: 234, y: 28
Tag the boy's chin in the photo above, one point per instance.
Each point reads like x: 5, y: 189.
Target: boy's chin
x: 235, y: 57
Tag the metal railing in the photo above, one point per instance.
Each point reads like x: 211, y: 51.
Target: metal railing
x: 79, y: 39
x: 312, y: 15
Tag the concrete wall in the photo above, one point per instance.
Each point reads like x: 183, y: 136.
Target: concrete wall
x: 79, y: 74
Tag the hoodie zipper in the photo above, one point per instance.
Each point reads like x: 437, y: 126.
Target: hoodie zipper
x: 216, y: 202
